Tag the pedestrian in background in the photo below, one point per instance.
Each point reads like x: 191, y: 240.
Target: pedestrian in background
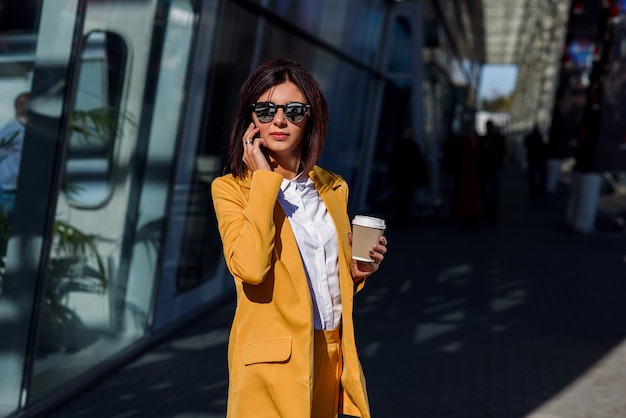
x: 407, y: 172
x: 491, y: 153
x: 536, y: 162
x: 287, y: 242
x: 11, y: 144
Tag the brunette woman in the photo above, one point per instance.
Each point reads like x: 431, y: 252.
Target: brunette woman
x: 287, y: 242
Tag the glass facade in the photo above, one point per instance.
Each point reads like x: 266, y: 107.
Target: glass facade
x: 108, y: 233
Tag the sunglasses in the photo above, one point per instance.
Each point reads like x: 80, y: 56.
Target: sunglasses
x: 294, y: 111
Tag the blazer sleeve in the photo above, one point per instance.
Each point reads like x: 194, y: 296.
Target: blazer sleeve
x: 246, y: 223
x: 358, y: 284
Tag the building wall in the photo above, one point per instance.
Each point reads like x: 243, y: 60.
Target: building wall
x: 113, y: 240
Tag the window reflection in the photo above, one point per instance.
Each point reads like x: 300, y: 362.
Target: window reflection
x: 201, y: 250
x: 95, y: 119
x: 77, y: 274
x: 16, y: 63
x: 112, y: 206
x: 81, y: 318
x: 399, y: 60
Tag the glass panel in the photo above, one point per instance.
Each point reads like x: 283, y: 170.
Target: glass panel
x: 363, y: 28
x: 353, y: 26
x: 396, y: 114
x: 95, y: 119
x: 306, y: 13
x: 347, y: 94
x: 164, y: 132
x: 332, y: 23
x: 17, y: 56
x: 35, y: 56
x: 16, y: 63
x: 345, y: 89
x: 201, y: 250
x: 107, y: 231
x: 399, y: 60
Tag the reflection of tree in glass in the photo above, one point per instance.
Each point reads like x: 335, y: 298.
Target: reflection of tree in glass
x: 75, y: 263
x: 69, y: 264
x: 99, y: 127
x: 99, y: 124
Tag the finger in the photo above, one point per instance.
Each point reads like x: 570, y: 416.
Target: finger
x: 378, y: 257
x: 248, y: 135
x: 259, y: 141
x: 383, y: 240
x: 379, y: 248
x: 256, y: 155
x: 247, y: 143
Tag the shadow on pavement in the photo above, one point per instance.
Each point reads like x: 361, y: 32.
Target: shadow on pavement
x: 489, y: 320
x: 471, y: 321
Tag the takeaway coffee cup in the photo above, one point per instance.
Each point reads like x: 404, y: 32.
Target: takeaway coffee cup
x: 365, y: 232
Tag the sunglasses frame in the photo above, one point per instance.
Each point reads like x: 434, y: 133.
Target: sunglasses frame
x: 274, y: 107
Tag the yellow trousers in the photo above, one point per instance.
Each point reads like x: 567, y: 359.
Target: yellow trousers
x: 327, y: 373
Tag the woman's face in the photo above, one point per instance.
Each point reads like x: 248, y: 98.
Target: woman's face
x: 281, y: 135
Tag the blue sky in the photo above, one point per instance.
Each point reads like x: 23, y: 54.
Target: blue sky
x: 497, y: 80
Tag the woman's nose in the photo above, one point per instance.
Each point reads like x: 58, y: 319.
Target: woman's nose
x: 279, y: 117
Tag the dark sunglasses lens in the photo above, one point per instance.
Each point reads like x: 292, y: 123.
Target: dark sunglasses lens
x: 264, y: 111
x: 295, y: 112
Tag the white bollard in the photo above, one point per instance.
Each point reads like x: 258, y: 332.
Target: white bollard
x: 585, y: 201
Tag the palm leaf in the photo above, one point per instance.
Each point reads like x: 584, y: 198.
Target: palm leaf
x: 72, y: 243
x: 99, y: 124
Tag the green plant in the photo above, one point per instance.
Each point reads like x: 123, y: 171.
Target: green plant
x: 99, y: 124
x: 75, y: 263
x: 73, y: 246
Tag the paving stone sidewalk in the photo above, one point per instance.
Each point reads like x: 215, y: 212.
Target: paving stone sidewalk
x: 508, y: 320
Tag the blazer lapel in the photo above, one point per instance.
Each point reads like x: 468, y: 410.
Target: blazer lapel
x: 286, y: 250
x: 329, y: 188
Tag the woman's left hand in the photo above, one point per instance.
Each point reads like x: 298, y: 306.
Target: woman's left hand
x: 362, y: 269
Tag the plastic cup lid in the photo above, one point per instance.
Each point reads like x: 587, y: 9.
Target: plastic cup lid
x: 369, y: 221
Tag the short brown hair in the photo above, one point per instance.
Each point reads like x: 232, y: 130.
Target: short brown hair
x: 268, y: 74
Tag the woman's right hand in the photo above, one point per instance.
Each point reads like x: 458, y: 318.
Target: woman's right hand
x: 253, y: 154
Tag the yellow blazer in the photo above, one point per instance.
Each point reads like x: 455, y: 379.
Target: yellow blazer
x: 270, y: 350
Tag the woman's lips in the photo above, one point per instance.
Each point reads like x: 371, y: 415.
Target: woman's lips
x: 279, y: 135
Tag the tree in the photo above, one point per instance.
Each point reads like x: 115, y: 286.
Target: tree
x: 496, y: 104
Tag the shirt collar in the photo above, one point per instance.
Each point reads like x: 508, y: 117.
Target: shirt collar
x: 300, y: 182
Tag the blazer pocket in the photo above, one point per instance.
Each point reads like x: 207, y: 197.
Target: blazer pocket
x: 269, y: 350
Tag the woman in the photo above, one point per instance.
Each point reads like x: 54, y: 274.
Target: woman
x: 286, y: 236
